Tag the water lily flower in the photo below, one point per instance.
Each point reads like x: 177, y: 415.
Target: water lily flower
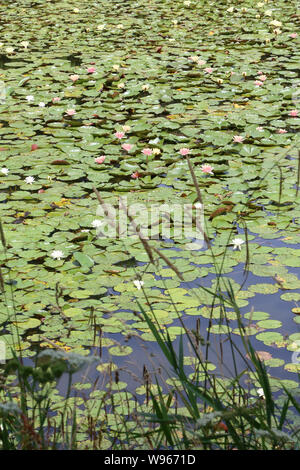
x: 145, y: 87
x: 201, y: 62
x: 29, y: 179
x: 121, y: 85
x: 100, y: 27
x: 138, y: 284
x: 147, y: 152
x: 208, y: 70
x: 206, y: 168
x: 70, y: 112
x: 281, y: 131
x: 97, y: 223
x: 91, y: 70
x: 156, y: 151
x: 260, y: 129
x: 4, y: 170
x: 25, y: 44
x: 275, y: 23
x: 194, y: 58
x: 10, y: 50
x: 30, y: 98
x: 127, y: 147
x: 293, y: 35
x: 268, y: 13
x: 238, y: 139
x: 237, y: 242
x: 135, y: 175
x: 294, y: 113
x: 263, y: 78
x: 57, y: 254
x: 119, y: 135
x: 34, y: 147
x: 260, y: 392
x: 184, y: 151
x: 74, y: 78
x: 116, y: 67
x: 100, y: 159
x: 126, y: 128
x: 56, y: 99
x: 258, y: 83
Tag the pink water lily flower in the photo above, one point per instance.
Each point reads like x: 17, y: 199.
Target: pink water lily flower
x: 119, y: 135
x: 208, y: 70
x: 238, y: 139
x: 147, y: 152
x: 56, y: 99
x: 70, y: 112
x: 127, y: 147
x: 74, y: 78
x: 281, y: 131
x: 293, y: 35
x: 206, y: 168
x: 91, y: 70
x: 100, y: 159
x: 258, y: 83
x: 294, y: 113
x: 262, y: 78
x: 184, y: 151
x: 135, y: 175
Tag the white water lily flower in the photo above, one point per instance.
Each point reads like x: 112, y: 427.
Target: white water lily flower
x: 25, y: 44
x: 275, y: 23
x: 260, y: 392
x: 138, y: 284
x: 237, y: 242
x: 57, y: 254
x: 30, y: 98
x: 96, y: 223
x: 5, y: 171
x: 42, y: 104
x: 29, y: 179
